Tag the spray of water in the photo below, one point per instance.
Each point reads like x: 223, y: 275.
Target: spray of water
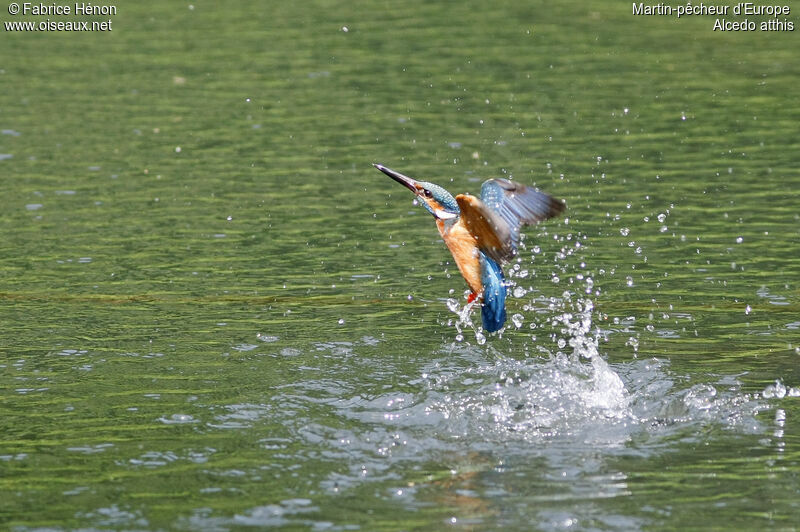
x: 563, y: 387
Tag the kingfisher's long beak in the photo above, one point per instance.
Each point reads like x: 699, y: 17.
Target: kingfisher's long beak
x: 404, y: 180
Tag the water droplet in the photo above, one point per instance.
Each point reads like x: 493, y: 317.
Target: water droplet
x: 747, y: 310
x: 739, y: 240
x: 634, y: 343
x: 341, y: 321
x: 517, y: 319
x: 777, y: 390
x: 345, y: 29
x: 624, y: 231
x: 629, y: 280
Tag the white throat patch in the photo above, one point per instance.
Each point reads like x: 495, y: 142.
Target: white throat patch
x: 443, y: 215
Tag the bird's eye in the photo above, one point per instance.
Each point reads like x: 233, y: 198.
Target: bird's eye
x: 427, y: 193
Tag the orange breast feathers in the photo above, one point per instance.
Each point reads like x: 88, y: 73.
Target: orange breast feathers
x: 464, y: 248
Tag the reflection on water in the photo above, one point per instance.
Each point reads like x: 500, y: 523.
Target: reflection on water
x: 490, y: 418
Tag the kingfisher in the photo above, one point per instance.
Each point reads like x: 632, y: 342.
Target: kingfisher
x: 482, y: 233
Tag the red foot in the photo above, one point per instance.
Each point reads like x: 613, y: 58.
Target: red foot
x: 472, y: 297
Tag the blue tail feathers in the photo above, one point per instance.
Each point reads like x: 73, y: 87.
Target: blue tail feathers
x: 493, y: 310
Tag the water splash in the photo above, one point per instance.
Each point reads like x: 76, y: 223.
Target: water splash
x: 563, y: 388
x: 464, y: 320
x: 526, y: 400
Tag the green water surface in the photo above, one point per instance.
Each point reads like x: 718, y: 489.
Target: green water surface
x: 216, y: 315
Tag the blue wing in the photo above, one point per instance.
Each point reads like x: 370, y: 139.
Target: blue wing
x: 493, y: 308
x: 518, y: 205
x: 505, y: 206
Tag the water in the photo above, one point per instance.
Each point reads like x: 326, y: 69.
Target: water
x: 217, y: 315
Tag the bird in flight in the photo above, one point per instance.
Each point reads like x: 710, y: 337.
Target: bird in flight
x: 483, y: 233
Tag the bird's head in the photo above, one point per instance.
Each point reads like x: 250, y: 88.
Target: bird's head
x: 439, y: 202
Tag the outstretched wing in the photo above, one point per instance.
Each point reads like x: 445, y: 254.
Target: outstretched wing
x: 504, y: 207
x: 491, y: 231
